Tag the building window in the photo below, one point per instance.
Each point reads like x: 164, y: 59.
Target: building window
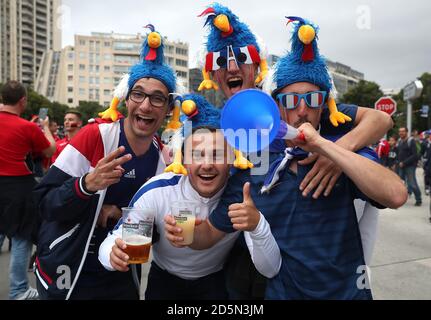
x: 107, y: 44
x: 107, y: 68
x: 107, y: 57
x: 181, y: 63
x: 70, y: 55
x: 69, y: 78
x: 169, y: 61
x: 82, y: 55
x: 69, y: 89
x: 106, y: 80
x: 107, y: 92
x: 121, y: 69
x: 70, y: 67
x: 81, y: 79
x: 181, y: 51
x: 70, y: 100
x: 127, y: 46
x: 82, y: 67
x: 82, y: 42
x: 81, y: 91
x: 182, y: 74
x: 169, y: 49
x: 126, y: 59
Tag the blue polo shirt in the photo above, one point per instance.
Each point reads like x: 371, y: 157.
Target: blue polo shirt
x: 319, y: 240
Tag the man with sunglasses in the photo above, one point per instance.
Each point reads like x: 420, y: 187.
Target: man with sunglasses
x: 97, y: 174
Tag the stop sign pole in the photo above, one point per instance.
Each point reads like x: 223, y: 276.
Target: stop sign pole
x: 386, y: 104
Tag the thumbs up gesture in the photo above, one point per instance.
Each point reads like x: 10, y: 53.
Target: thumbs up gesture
x: 244, y: 216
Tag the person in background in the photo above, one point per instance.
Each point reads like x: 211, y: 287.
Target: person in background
x: 18, y: 220
x: 407, y: 162
x: 392, y: 155
x: 425, y: 146
x: 382, y: 151
x: 72, y: 125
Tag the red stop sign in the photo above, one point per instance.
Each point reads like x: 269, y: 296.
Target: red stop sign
x: 386, y: 104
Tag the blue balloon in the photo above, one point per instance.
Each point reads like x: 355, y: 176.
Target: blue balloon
x: 250, y: 120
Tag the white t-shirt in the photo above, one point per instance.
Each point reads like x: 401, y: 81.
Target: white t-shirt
x: 368, y: 217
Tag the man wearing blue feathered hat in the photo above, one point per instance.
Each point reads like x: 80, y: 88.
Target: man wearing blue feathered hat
x: 81, y: 197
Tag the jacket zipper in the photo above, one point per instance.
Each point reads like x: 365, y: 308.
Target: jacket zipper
x: 64, y: 236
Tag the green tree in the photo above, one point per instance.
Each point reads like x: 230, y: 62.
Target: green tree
x: 364, y: 94
x: 419, y: 122
x: 35, y: 101
x: 89, y: 109
x: 58, y: 111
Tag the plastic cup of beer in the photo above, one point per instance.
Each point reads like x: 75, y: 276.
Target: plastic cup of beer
x: 137, y: 233
x: 187, y: 214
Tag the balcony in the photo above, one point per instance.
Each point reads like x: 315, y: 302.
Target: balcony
x: 27, y: 6
x: 27, y: 16
x: 41, y: 7
x: 27, y: 45
x: 41, y: 27
x: 28, y: 29
x: 40, y: 19
x: 41, y: 43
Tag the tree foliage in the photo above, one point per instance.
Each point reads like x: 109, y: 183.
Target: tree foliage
x: 364, y: 94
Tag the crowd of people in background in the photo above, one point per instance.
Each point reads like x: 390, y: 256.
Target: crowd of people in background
x: 404, y: 153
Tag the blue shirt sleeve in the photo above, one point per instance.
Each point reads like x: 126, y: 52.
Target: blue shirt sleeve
x: 326, y: 127
x: 232, y: 194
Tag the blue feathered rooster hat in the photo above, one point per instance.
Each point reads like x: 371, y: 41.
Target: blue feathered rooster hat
x: 226, y: 29
x: 304, y: 62
x: 198, y: 112
x: 152, y: 62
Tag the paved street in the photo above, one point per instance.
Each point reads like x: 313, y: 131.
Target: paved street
x: 401, y: 267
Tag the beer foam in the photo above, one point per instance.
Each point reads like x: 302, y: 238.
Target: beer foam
x: 137, y: 240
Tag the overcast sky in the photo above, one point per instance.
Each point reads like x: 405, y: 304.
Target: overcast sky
x: 388, y: 40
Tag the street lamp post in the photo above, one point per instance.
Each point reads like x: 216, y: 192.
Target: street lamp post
x: 411, y: 91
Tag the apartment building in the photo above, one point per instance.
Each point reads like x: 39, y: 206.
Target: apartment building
x: 28, y: 28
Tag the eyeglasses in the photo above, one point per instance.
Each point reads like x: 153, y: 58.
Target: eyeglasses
x: 156, y: 100
x: 314, y: 99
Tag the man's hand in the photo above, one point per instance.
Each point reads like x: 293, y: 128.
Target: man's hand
x: 108, y: 171
x: 118, y: 258
x: 108, y: 211
x: 172, y: 232
x: 324, y: 173
x: 244, y: 216
x: 45, y: 123
x: 322, y: 176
